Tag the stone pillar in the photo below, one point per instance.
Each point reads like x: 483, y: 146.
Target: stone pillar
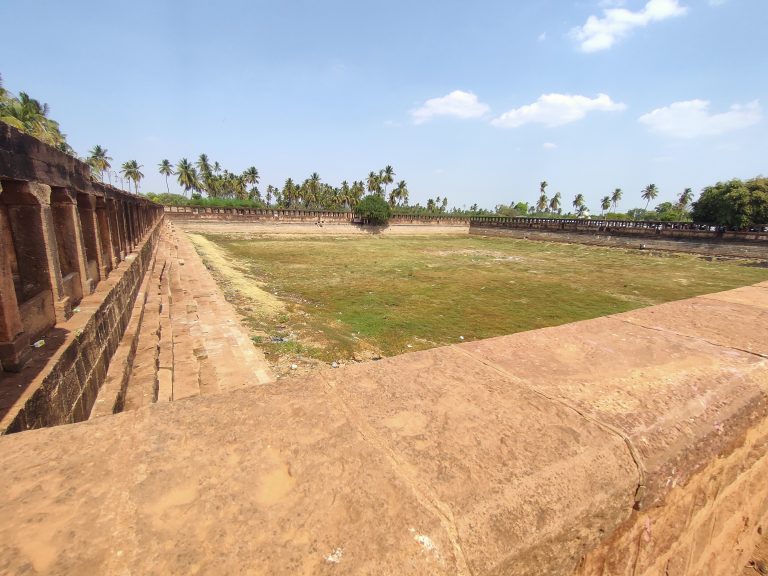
x: 89, y: 225
x: 118, y: 240
x: 109, y: 259
x: 71, y: 247
x: 14, y: 342
x: 28, y: 207
x: 122, y: 214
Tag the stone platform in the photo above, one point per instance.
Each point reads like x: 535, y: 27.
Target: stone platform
x: 184, y: 338
x: 631, y: 444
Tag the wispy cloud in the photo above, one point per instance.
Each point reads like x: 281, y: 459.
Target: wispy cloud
x: 549, y: 146
x: 616, y: 23
x: 457, y: 104
x: 556, y: 110
x: 692, y: 119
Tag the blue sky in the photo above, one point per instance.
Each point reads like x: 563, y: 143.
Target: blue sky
x: 479, y: 101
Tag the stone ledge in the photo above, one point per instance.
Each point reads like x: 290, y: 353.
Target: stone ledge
x: 59, y: 383
x: 504, y: 456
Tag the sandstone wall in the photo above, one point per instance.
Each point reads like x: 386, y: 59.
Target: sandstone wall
x: 628, y: 445
x: 711, y: 247
x: 275, y: 216
x: 68, y: 380
x: 626, y: 228
x: 72, y: 254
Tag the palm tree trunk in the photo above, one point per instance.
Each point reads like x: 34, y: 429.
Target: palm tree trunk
x: 167, y: 188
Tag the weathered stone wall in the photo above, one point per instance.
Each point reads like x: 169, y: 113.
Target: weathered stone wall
x: 685, y: 231
x: 709, y: 247
x: 275, y: 216
x: 69, y: 380
x: 72, y: 253
x: 631, y: 445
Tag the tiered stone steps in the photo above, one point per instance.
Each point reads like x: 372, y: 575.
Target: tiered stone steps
x: 187, y: 340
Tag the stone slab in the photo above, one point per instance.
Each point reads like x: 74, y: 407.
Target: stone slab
x: 748, y: 295
x: 716, y: 320
x: 241, y: 496
x: 453, y: 469
x: 528, y: 484
x: 680, y: 401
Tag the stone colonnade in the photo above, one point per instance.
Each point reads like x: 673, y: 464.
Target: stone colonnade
x: 60, y: 235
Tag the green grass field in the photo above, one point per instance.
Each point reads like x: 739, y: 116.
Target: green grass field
x: 348, y: 296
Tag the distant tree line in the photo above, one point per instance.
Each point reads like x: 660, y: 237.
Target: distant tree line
x: 735, y: 203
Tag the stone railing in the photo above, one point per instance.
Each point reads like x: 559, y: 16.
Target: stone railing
x: 282, y: 215
x: 631, y: 228
x: 61, y: 234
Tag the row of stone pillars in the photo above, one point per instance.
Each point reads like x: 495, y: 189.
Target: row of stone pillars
x: 56, y: 245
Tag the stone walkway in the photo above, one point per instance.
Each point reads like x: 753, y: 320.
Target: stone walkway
x: 629, y: 444
x: 189, y: 340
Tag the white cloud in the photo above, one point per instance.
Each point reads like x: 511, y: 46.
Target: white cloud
x: 542, y: 37
x: 549, y: 146
x: 691, y: 119
x: 556, y: 110
x: 458, y: 104
x: 602, y: 33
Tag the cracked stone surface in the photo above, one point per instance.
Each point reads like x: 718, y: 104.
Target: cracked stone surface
x: 515, y: 455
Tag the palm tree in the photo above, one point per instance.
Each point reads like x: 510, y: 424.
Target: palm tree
x: 313, y: 190
x: 251, y: 176
x: 31, y: 117
x: 203, y: 165
x: 131, y: 171
x: 649, y: 193
x: 186, y: 175
x: 290, y: 192
x: 357, y: 191
x: 554, y: 204
x: 99, y: 162
x: 578, y: 201
x: 374, y: 183
x: 615, y: 198
x: 582, y: 211
x: 387, y: 176
x: 543, y: 202
x: 166, y: 169
x: 401, y: 193
x: 685, y: 200
x: 605, y: 203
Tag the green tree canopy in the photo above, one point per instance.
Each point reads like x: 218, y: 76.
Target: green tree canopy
x: 733, y: 203
x: 373, y: 209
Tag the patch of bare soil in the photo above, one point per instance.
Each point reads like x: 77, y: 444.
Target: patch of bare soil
x: 250, y: 292
x: 477, y: 253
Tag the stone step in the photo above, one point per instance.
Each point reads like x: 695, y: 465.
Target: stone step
x: 191, y: 341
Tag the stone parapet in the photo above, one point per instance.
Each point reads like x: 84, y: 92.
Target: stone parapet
x: 62, y: 234
x: 277, y: 216
x: 684, y: 231
x: 61, y: 380
x: 704, y: 246
x: 631, y: 444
